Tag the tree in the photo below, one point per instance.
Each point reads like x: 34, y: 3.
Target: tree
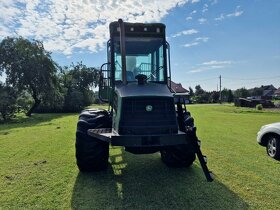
x: 214, y: 97
x: 200, y: 95
x: 241, y: 93
x: 257, y: 91
x: 191, y: 92
x: 230, y: 96
x: 78, y: 79
x: 227, y: 95
x: 29, y: 67
x: 8, y: 98
x: 198, y: 90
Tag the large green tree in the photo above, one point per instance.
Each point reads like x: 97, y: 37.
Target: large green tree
x: 78, y: 80
x: 29, y: 67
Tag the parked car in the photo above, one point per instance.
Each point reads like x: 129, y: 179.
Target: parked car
x: 269, y: 137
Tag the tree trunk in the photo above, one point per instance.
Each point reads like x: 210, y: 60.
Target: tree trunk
x: 35, y: 105
x: 36, y: 99
x: 3, y: 116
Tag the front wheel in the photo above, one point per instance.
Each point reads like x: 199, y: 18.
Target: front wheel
x: 273, y: 147
x: 91, y: 153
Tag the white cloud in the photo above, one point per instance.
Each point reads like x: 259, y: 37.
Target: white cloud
x: 210, y: 65
x: 195, y: 1
x: 64, y: 26
x: 237, y: 13
x: 189, y: 18
x: 214, y: 62
x: 200, y: 69
x: 193, y: 12
x: 202, y: 20
x: 205, y: 8
x: 185, y: 32
x: 191, y: 44
x: 196, y: 41
x: 202, y: 39
x: 221, y: 17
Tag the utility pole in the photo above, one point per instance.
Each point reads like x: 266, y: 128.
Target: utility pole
x: 220, y: 77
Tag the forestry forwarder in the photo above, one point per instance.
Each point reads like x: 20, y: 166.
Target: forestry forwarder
x: 145, y: 115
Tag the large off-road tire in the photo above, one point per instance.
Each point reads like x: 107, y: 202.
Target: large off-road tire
x: 91, y: 153
x: 179, y: 155
x: 273, y: 146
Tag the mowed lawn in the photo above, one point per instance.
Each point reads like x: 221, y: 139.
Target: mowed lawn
x: 38, y: 169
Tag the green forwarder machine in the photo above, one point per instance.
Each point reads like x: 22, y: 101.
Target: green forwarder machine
x: 145, y: 115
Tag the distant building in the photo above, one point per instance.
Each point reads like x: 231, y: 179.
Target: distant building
x: 182, y: 94
x: 268, y: 91
x: 178, y: 88
x: 277, y: 92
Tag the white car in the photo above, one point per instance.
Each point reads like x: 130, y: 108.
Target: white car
x: 269, y: 137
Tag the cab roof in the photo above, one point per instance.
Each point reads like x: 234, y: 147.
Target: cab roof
x: 138, y: 29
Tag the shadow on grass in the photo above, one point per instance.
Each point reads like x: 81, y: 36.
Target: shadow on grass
x: 35, y: 120
x: 144, y: 182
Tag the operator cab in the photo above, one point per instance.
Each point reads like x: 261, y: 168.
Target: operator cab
x: 144, y: 55
x: 145, y: 52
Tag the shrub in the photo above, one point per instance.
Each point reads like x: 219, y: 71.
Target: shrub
x: 24, y: 101
x: 277, y: 104
x: 259, y: 107
x: 73, y: 101
x: 8, y: 106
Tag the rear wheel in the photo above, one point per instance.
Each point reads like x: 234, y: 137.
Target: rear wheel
x: 179, y: 155
x: 273, y: 147
x: 91, y: 153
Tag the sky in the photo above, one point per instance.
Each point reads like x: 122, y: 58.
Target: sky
x: 237, y: 39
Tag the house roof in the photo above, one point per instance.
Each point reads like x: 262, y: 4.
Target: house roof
x: 178, y: 88
x: 277, y: 92
x: 268, y: 92
x: 268, y: 87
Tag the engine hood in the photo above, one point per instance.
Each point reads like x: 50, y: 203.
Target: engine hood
x: 148, y: 89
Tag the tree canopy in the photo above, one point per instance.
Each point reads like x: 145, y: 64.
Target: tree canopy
x: 29, y: 67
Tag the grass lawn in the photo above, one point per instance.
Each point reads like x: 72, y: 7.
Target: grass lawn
x: 38, y: 169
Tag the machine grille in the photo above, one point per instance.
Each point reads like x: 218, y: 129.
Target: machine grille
x: 148, y: 116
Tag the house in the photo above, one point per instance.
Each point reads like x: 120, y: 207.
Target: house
x: 277, y: 92
x: 268, y: 91
x: 178, y: 88
x: 182, y: 94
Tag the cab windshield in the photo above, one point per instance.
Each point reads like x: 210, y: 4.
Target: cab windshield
x: 144, y: 55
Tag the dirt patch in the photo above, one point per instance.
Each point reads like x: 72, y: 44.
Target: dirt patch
x: 40, y: 162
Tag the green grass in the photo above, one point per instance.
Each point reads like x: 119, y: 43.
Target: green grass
x: 38, y: 170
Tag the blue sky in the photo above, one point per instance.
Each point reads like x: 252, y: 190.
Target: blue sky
x: 238, y: 39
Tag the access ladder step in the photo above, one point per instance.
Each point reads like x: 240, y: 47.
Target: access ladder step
x: 103, y: 134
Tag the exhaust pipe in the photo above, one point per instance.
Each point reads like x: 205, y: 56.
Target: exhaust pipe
x: 123, y: 54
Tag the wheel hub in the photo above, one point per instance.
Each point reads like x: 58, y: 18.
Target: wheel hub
x: 271, y: 147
